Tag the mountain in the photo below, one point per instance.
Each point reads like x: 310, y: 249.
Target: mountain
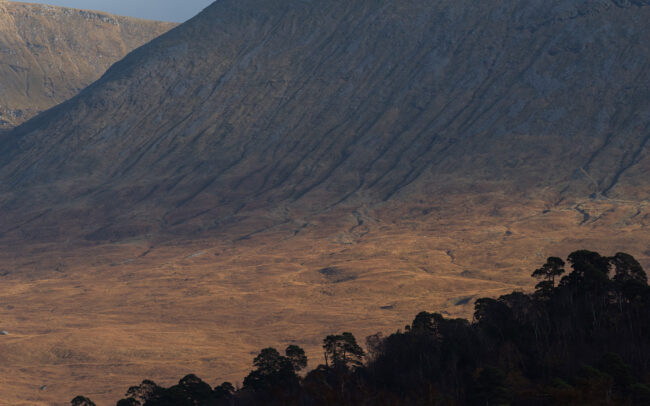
x: 275, y: 171
x: 48, y: 54
x: 311, y: 104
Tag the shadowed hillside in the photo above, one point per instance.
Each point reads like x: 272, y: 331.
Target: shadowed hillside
x: 48, y: 54
x: 274, y: 167
x: 310, y: 104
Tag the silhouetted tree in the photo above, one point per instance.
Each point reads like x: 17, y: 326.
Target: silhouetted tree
x: 630, y: 278
x: 224, y: 391
x: 553, y: 268
x: 82, y: 401
x: 128, y: 402
x: 276, y: 371
x: 427, y: 323
x: 627, y: 267
x: 582, y: 342
x: 147, y: 390
x: 342, y: 351
x: 190, y: 391
x: 269, y: 361
x: 495, y: 318
x: 297, y: 357
x: 374, y: 345
x: 590, y: 271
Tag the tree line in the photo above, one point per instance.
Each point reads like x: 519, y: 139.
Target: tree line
x: 581, y: 338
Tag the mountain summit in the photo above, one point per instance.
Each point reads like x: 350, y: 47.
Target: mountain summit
x: 303, y: 104
x: 48, y: 54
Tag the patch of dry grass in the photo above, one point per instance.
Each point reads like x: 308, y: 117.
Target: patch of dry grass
x: 94, y: 320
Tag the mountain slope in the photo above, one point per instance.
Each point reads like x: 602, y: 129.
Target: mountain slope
x: 258, y: 103
x: 48, y: 54
x: 274, y: 171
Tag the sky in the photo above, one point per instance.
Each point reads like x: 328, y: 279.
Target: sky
x: 164, y: 10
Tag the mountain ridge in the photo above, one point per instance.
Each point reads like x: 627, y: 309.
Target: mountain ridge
x: 272, y: 172
x: 49, y: 53
x: 414, y: 124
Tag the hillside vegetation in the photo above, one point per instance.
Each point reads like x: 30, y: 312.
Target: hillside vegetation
x: 272, y: 171
x: 580, y: 339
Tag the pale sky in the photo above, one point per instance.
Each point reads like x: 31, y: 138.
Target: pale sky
x: 165, y: 10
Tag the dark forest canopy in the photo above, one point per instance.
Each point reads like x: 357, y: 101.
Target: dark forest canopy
x: 582, y: 338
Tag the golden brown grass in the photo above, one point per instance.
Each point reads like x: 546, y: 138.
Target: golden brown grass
x: 93, y: 320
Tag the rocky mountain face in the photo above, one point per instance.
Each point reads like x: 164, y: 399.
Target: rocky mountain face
x: 48, y: 54
x: 274, y: 171
x: 304, y: 105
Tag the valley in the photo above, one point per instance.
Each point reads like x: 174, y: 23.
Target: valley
x: 271, y: 172
x: 100, y: 318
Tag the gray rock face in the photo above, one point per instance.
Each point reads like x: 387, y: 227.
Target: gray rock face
x: 254, y: 103
x: 48, y: 54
